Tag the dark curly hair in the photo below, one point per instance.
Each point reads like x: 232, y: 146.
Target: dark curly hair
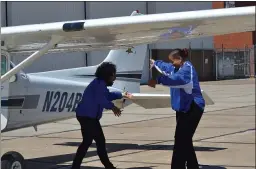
x: 105, y: 71
x: 183, y: 53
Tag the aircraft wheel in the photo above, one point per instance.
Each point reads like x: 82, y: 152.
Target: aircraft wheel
x: 12, y: 160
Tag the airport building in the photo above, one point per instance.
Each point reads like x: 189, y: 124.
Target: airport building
x: 204, y: 52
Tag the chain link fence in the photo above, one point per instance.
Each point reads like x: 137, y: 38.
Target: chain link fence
x: 235, y: 63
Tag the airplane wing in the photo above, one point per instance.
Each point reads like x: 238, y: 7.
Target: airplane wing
x: 152, y: 101
x: 127, y: 31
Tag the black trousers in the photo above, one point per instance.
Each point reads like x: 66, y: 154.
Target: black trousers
x: 183, y: 151
x: 91, y: 130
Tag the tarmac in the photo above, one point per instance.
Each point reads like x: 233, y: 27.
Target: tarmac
x: 143, y: 139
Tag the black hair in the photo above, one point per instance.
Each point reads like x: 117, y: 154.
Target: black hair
x: 105, y: 71
x: 183, y: 53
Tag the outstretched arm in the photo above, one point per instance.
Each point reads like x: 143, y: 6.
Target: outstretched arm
x: 178, y: 79
x: 163, y: 65
x: 118, y: 95
x: 114, y: 95
x: 102, y: 95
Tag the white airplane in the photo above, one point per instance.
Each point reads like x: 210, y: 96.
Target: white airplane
x: 38, y: 98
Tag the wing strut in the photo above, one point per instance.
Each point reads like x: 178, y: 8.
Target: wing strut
x: 51, y: 44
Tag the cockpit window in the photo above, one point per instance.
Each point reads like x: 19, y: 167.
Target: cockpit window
x: 4, y: 66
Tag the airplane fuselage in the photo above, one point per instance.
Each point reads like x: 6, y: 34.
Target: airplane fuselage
x: 43, y: 99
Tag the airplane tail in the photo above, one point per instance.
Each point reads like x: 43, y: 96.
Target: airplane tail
x: 130, y: 63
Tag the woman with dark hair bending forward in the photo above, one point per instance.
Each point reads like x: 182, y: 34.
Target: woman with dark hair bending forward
x: 97, y: 97
x: 186, y: 100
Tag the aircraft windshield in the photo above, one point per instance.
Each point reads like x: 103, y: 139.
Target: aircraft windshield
x: 3, y: 65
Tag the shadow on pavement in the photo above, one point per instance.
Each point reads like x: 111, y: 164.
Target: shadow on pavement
x: 113, y: 147
x: 211, y: 167
x: 57, y: 160
x: 140, y: 168
x: 117, y: 167
x: 88, y: 167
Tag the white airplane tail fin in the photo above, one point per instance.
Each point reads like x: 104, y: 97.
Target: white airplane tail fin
x: 130, y: 63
